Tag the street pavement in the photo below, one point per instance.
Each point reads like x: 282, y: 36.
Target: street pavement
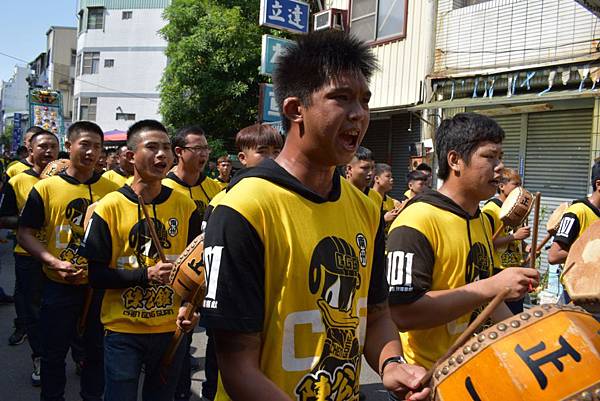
x: 15, y: 361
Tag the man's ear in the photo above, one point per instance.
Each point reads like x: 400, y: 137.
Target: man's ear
x: 293, y: 109
x: 242, y: 158
x: 454, y: 162
x: 130, y: 156
x: 68, y: 146
x: 178, y: 151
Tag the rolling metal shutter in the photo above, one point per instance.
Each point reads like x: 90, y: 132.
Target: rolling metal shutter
x: 377, y: 138
x: 558, y: 153
x: 402, y: 140
x: 511, y: 125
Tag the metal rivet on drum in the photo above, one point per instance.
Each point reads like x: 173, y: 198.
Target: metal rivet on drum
x: 437, y: 375
x: 451, y: 362
x: 466, y: 350
x: 514, y: 324
x: 524, y: 316
x: 501, y: 327
x: 475, y: 347
x: 460, y: 359
x: 493, y: 335
x: 538, y: 313
x: 597, y: 393
x: 586, y: 396
x: 445, y: 370
x: 481, y: 338
x: 546, y: 306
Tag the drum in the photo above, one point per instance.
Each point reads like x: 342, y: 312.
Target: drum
x: 516, y: 207
x: 555, y: 217
x: 581, y: 274
x: 55, y: 167
x: 547, y: 353
x: 189, y: 272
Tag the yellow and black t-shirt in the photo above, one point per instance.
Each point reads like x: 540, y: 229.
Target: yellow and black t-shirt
x: 435, y: 245
x: 201, y: 192
x: 300, y: 269
x: 374, y: 196
x: 15, y: 195
x: 120, y: 249
x: 219, y: 181
x: 18, y: 166
x: 579, y: 216
x: 510, y: 255
x: 388, y: 203
x: 116, y: 175
x: 56, y: 206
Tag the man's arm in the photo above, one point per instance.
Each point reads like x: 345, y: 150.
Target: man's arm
x: 568, y: 231
x: 238, y: 356
x: 8, y: 208
x: 558, y: 253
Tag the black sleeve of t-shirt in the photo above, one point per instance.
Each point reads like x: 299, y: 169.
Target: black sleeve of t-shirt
x: 410, y: 262
x: 568, y: 230
x: 194, y: 226
x: 207, y: 212
x: 234, y: 253
x: 9, y: 207
x: 32, y: 215
x: 378, y: 287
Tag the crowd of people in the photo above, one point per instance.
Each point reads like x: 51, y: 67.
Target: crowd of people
x: 310, y: 263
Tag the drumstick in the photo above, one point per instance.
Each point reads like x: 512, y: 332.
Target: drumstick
x: 536, y: 223
x: 152, y: 229
x: 468, y: 333
x: 169, y: 354
x: 498, y: 232
x: 539, y: 247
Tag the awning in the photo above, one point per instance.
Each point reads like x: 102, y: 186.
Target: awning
x: 503, y: 100
x: 115, y: 135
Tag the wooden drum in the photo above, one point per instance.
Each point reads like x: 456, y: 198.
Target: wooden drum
x: 555, y: 217
x: 581, y: 274
x: 189, y: 272
x: 547, y: 353
x: 516, y: 207
x: 55, y: 167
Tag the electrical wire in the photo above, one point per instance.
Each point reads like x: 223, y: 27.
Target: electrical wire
x: 113, y: 90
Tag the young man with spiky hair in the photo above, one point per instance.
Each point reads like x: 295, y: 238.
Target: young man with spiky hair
x: 122, y: 171
x: 382, y: 184
x: 360, y: 174
x: 224, y: 167
x: 295, y: 254
x: 440, y: 252
x: 56, y: 208
x: 28, y: 270
x: 140, y: 310
x: 26, y: 162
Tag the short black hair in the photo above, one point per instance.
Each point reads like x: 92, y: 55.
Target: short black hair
x: 79, y: 127
x: 179, y: 139
x: 35, y: 130
x: 133, y: 133
x: 22, y: 150
x: 256, y: 135
x: 363, y: 153
x: 381, y: 168
x: 463, y: 133
x: 416, y: 175
x: 424, y: 167
x: 316, y: 59
x: 63, y: 155
x: 40, y: 133
x: 595, y: 174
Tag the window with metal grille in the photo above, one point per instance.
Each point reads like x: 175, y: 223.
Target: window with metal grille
x: 127, y: 15
x: 379, y: 20
x: 466, y: 3
x: 109, y: 63
x: 125, y: 116
x: 95, y: 19
x: 73, y: 57
x: 87, y: 108
x: 91, y: 62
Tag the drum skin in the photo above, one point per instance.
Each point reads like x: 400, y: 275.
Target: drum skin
x: 55, y: 167
x: 189, y: 272
x: 546, y: 353
x: 581, y: 273
x: 555, y: 217
x: 516, y: 207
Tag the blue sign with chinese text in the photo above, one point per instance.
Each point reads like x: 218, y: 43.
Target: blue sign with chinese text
x: 269, y: 106
x: 16, y: 142
x: 289, y: 15
x: 272, y: 48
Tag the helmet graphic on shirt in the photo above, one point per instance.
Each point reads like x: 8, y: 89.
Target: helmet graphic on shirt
x: 141, y: 242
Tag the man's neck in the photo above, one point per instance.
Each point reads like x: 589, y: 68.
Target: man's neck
x: 595, y: 199
x: 38, y: 168
x: 122, y: 170
x: 148, y: 190
x: 29, y: 159
x: 223, y: 178
x: 318, y: 179
x: 502, y: 197
x: 379, y: 190
x: 460, y: 197
x: 187, y: 175
x: 80, y: 174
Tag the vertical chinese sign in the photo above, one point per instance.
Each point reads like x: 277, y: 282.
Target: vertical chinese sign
x: 45, y: 109
x: 17, y: 132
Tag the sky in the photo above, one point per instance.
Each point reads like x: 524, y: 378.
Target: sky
x: 24, y: 25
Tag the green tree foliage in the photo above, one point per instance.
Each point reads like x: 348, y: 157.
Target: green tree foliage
x: 6, y: 138
x: 212, y: 74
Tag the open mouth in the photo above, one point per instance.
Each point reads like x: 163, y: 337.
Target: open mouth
x: 350, y: 140
x: 160, y: 166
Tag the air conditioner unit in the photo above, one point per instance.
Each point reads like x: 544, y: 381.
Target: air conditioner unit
x: 332, y: 18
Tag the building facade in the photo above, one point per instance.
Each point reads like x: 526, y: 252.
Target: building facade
x: 13, y: 96
x: 401, y: 34
x: 61, y: 50
x: 119, y: 61
x: 533, y: 66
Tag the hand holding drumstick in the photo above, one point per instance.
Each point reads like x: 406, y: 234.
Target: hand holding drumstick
x: 159, y: 273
